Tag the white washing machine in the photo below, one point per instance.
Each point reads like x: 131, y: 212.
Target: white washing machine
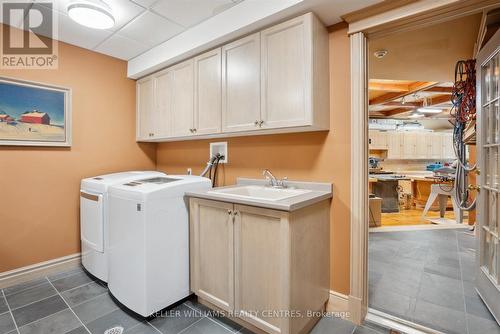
x: 94, y: 218
x: 149, y: 241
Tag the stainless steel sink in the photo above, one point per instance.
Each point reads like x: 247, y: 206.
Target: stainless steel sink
x: 254, y: 192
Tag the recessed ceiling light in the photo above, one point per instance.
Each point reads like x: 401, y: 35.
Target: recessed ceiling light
x: 430, y: 110
x: 94, y: 14
x: 380, y: 53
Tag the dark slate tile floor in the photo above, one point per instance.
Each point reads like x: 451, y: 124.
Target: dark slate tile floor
x: 427, y: 277
x: 74, y: 302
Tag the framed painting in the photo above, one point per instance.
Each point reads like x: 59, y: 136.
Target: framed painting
x: 34, y: 114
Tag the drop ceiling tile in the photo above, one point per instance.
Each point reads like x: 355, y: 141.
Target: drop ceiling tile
x: 151, y: 29
x: 190, y: 12
x: 16, y: 19
x: 121, y: 47
x: 145, y: 3
x: 73, y: 33
x: 123, y: 10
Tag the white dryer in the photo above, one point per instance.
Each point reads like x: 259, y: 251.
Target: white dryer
x: 94, y: 218
x: 149, y: 241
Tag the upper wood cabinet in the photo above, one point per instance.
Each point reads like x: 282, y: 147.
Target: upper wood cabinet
x: 291, y: 90
x: 163, y: 103
x: 272, y: 81
x: 378, y: 140
x: 182, y: 101
x: 207, y: 93
x: 418, y: 145
x: 145, y: 109
x: 241, y: 84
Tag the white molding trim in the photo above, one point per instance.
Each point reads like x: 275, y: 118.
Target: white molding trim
x: 338, y: 303
x: 37, y: 270
x: 425, y: 227
x: 397, y: 14
x: 358, y: 298
x: 398, y: 324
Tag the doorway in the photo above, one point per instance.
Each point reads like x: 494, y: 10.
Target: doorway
x: 421, y: 252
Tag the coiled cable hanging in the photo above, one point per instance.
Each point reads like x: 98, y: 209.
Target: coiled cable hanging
x: 463, y: 111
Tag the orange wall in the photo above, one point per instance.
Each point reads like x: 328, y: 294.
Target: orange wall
x: 319, y: 156
x: 39, y: 201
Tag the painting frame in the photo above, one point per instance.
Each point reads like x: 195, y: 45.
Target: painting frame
x: 67, y: 142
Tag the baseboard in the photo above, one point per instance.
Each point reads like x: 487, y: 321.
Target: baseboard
x: 338, y: 303
x: 37, y: 270
x: 403, y: 326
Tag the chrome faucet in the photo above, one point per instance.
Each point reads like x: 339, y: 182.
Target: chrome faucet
x: 273, y: 181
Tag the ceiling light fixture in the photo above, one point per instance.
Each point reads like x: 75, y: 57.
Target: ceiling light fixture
x: 380, y: 53
x: 416, y: 115
x: 430, y: 110
x: 94, y: 14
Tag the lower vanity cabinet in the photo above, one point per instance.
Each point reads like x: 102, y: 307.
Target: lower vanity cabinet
x: 268, y: 268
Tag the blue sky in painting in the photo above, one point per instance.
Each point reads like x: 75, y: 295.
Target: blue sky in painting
x: 15, y: 100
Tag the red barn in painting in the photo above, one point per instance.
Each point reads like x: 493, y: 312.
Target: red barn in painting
x: 5, y: 118
x: 35, y: 117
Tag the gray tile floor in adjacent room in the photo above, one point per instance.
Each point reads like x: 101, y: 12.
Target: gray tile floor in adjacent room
x: 73, y: 302
x: 427, y: 277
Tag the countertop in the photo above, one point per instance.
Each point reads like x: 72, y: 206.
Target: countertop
x: 319, y: 192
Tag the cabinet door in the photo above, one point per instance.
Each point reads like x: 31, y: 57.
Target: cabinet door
x: 448, y: 150
x: 423, y: 142
x: 182, y: 99
x: 163, y: 98
x: 261, y: 265
x: 211, y: 249
x: 241, y: 84
x: 286, y: 76
x: 395, y: 141
x: 436, y: 145
x: 207, y: 94
x: 145, y: 108
x: 409, y: 145
x: 372, y: 139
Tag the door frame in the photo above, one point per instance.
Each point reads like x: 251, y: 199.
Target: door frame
x: 372, y: 22
x: 483, y: 282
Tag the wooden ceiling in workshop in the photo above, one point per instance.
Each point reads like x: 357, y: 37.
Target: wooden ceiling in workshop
x: 399, y: 99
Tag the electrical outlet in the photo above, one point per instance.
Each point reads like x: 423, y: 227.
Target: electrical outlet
x: 221, y: 148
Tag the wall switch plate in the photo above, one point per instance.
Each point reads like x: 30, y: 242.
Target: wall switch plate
x: 221, y: 148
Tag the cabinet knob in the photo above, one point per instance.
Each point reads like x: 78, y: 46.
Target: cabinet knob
x: 261, y: 122
x: 229, y: 212
x: 256, y: 123
x: 194, y: 130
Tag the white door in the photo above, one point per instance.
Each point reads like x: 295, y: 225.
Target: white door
x: 145, y: 108
x: 182, y: 99
x: 207, y: 94
x: 241, y: 84
x: 163, y: 99
x: 286, y: 78
x: 488, y: 264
